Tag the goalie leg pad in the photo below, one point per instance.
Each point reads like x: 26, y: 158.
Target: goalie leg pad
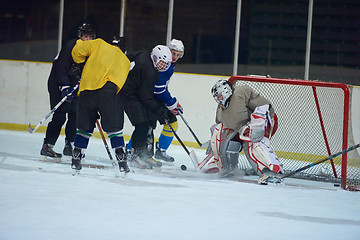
x: 225, y: 150
x: 202, y: 165
x: 211, y: 167
x: 208, y: 165
x: 213, y: 161
x: 261, y: 156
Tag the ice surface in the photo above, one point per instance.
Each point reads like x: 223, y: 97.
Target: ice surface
x: 42, y: 200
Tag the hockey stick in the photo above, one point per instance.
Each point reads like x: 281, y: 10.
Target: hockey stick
x: 105, y: 143
x: 31, y: 130
x: 192, y: 153
x: 320, y: 161
x: 192, y: 132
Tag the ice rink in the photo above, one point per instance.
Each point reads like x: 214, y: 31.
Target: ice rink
x: 42, y: 200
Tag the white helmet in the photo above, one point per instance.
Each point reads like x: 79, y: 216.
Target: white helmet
x: 177, y: 45
x: 161, y: 57
x: 222, y: 91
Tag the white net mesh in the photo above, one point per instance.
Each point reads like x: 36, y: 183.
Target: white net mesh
x: 301, y: 138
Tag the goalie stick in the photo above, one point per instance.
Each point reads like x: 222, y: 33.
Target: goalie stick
x: 105, y: 143
x: 319, y: 161
x: 192, y: 132
x: 31, y: 130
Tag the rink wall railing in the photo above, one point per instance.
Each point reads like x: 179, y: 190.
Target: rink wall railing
x: 25, y: 99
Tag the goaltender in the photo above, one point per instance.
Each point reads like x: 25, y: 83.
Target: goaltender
x: 244, y: 120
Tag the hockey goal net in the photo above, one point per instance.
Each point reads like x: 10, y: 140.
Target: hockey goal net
x: 314, y: 123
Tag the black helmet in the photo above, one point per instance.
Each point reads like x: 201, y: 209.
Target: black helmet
x: 85, y: 29
x: 120, y: 42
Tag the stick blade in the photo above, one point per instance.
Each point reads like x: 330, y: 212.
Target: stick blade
x: 30, y: 129
x: 205, y: 144
x: 194, y: 159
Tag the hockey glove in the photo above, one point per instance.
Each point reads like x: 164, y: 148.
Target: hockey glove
x: 175, y: 108
x: 66, y: 91
x: 76, y: 70
x: 163, y: 115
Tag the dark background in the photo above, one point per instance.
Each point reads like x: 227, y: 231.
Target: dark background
x: 272, y: 33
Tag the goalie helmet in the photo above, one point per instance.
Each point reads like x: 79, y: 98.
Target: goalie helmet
x: 222, y: 91
x: 120, y: 42
x: 85, y: 29
x: 161, y: 58
x: 177, y: 45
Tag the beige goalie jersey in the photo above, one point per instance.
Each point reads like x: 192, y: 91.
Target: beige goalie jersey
x: 242, y: 103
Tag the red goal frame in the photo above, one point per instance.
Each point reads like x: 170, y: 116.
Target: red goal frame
x: 314, y: 85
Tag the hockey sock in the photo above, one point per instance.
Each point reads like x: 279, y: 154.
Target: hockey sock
x: 164, y: 142
x: 129, y: 145
x: 116, y: 139
x: 167, y: 136
x: 82, y: 139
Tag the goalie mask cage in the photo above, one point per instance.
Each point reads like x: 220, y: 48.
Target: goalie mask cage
x: 313, y: 123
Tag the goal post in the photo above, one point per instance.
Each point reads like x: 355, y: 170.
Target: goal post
x: 314, y: 122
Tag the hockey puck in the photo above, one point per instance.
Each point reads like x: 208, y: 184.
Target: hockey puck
x: 337, y: 185
x: 183, y: 167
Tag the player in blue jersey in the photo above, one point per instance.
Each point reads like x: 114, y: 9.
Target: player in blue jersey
x: 162, y: 95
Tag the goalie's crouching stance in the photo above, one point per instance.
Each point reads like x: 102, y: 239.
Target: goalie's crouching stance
x: 244, y: 120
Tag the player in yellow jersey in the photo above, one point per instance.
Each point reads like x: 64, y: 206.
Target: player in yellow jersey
x: 104, y: 74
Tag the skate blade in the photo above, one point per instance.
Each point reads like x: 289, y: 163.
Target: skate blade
x: 167, y: 163
x: 228, y: 173
x: 266, y: 180
x: 122, y: 174
x: 49, y: 159
x: 75, y: 172
x: 276, y: 182
x: 154, y: 163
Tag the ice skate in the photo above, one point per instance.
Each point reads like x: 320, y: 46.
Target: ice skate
x: 152, y: 162
x: 121, y: 158
x: 161, y: 154
x: 228, y: 172
x: 266, y: 179
x: 263, y: 180
x: 123, y: 166
x: 48, y: 151
x: 135, y: 161
x: 67, y: 148
x: 127, y: 153
x: 76, y: 160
